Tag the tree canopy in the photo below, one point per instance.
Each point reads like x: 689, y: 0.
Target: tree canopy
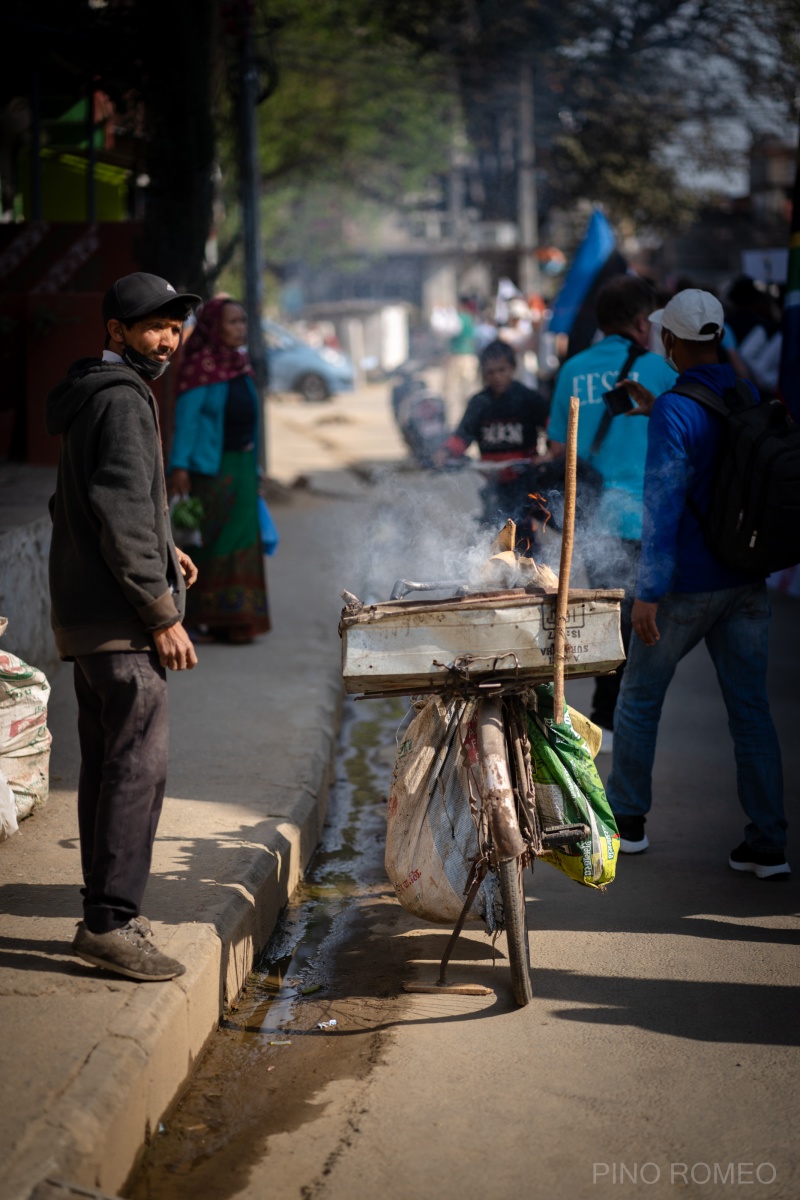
x: 618, y: 83
x: 631, y: 98
x: 358, y: 118
x: 371, y: 95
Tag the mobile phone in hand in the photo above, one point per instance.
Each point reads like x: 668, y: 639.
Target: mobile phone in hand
x: 618, y: 401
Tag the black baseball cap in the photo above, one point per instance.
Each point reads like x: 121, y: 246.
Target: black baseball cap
x: 140, y: 294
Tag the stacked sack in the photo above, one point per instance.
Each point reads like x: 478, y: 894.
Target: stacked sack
x: 24, y: 739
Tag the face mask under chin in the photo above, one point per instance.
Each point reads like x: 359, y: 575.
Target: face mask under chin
x: 669, y: 360
x: 146, y: 367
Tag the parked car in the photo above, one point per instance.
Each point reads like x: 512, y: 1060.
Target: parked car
x: 294, y: 366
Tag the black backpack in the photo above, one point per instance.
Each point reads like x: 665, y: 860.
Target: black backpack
x: 753, y: 522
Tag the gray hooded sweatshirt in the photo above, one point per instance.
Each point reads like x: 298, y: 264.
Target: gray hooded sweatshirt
x: 114, y: 574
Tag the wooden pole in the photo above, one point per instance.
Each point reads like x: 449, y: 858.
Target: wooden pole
x: 567, y: 538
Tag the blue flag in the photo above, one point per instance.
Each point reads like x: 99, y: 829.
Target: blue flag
x: 593, y: 253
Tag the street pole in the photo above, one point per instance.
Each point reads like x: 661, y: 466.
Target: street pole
x: 91, y: 158
x: 249, y: 94
x: 527, y: 218
x: 36, y: 151
x: 455, y: 206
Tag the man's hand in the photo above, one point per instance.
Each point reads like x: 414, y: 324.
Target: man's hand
x: 642, y: 398
x: 174, y: 648
x: 188, y: 569
x: 643, y: 619
x: 179, y: 483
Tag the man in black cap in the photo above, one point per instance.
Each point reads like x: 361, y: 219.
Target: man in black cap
x: 117, y: 588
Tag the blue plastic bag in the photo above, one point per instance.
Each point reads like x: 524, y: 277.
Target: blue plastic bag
x: 269, y: 533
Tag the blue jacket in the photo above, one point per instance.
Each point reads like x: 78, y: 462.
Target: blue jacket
x: 200, y: 428
x: 682, y: 447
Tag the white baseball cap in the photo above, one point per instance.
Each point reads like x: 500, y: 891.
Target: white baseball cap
x: 690, y: 315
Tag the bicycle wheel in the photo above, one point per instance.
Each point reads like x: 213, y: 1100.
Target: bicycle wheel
x: 502, y: 811
x: 516, y: 926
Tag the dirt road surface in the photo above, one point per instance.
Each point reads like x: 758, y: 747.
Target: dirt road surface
x: 659, y: 1056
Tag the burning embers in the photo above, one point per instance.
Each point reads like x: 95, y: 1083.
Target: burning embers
x: 538, y: 509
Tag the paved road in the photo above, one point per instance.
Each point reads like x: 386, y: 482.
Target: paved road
x: 660, y: 1054
x: 663, y: 1033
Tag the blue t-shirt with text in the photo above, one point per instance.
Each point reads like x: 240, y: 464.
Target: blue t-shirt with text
x: 621, y: 458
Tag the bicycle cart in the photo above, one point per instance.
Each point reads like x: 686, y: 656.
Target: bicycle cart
x: 492, y: 647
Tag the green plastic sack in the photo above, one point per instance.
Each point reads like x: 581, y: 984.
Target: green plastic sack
x: 568, y: 790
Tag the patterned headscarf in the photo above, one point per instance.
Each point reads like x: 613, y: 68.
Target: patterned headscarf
x: 206, y: 358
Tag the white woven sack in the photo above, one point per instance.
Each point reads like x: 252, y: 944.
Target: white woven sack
x: 24, y: 736
x: 8, y: 810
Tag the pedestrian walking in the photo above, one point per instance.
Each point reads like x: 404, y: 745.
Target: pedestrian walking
x: 755, y: 324
x: 685, y: 594
x: 117, y: 589
x: 214, y: 458
x: 461, y: 370
x: 616, y: 448
x: 518, y: 333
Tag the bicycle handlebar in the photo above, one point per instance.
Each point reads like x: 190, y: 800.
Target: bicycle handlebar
x: 403, y: 586
x: 486, y: 466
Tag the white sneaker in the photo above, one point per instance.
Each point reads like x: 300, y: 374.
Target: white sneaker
x: 763, y: 865
x: 607, y: 744
x: 632, y: 837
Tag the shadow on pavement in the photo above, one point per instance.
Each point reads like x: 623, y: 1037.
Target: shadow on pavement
x: 22, y: 954
x: 755, y: 1014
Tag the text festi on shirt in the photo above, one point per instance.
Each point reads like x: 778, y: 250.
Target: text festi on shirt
x: 590, y: 386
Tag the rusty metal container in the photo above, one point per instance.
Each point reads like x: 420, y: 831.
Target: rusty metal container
x: 422, y: 646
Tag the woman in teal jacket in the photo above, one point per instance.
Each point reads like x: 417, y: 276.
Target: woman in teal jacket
x: 214, y: 458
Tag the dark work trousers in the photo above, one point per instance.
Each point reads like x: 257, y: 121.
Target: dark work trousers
x: 612, y: 563
x: 123, y: 733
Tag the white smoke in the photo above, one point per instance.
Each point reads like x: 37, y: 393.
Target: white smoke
x: 423, y: 527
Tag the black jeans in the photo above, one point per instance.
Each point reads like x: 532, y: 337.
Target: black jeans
x: 123, y: 733
x: 612, y: 563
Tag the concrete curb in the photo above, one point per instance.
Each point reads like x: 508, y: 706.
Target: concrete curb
x: 94, y: 1130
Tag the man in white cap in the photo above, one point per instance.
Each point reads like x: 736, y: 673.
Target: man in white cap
x: 684, y: 594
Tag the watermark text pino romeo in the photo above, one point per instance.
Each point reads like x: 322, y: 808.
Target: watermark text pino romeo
x: 731, y: 1173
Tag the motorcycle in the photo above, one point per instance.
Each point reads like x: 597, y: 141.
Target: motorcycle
x: 420, y: 414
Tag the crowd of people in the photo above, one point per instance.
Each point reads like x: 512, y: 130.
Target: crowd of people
x: 121, y: 614
x: 654, y: 469
x: 751, y: 340
x: 473, y: 325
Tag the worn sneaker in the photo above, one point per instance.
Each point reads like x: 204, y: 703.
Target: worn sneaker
x: 607, y: 744
x: 632, y: 837
x: 127, y: 951
x: 763, y: 866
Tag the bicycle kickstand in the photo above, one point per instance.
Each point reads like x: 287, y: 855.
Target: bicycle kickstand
x: 441, y: 985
